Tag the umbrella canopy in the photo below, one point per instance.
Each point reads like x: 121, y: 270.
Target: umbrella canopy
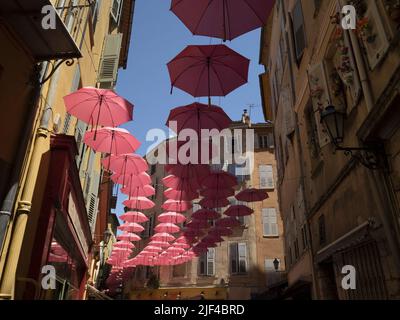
x: 219, y: 180
x: 139, y: 203
x: 220, y: 231
x: 167, y: 227
x: 238, y: 211
x: 205, y: 214
x: 193, y: 233
x: 133, y: 181
x: 144, y: 191
x: 162, y: 244
x: 128, y: 237
x: 134, y: 216
x: 217, y: 193
x: 188, y: 170
x: 180, y: 194
x: 208, y: 70
x: 214, y: 203
x: 184, y: 239
x: 111, y: 140
x: 228, y: 222
x: 222, y: 19
x: 181, y: 245
x: 124, y: 244
x: 153, y: 249
x: 125, y: 164
x: 176, y: 183
x: 252, y: 195
x: 175, y: 250
x: 171, y: 217
x: 131, y: 227
x: 99, y: 107
x: 199, y: 116
x: 197, y: 224
x: 163, y: 236
x: 178, y: 206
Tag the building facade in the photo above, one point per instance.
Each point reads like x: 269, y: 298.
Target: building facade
x: 49, y: 179
x: 241, y: 267
x: 339, y: 195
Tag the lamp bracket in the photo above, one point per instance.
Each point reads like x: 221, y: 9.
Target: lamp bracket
x: 369, y: 156
x: 54, y: 66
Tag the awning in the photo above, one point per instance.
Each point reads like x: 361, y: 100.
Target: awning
x: 25, y: 20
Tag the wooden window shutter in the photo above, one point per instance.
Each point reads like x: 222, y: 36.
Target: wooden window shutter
x: 233, y: 251
x: 298, y: 30
x: 110, y: 60
x: 242, y: 252
x: 211, y: 261
x: 92, y: 205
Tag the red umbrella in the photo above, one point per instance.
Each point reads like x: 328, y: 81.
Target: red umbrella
x: 183, y: 239
x: 128, y: 237
x: 131, y: 227
x: 197, y: 224
x: 199, y: 116
x: 217, y: 193
x: 219, y: 180
x: 228, y: 222
x: 167, y: 227
x: 163, y: 236
x: 212, y: 238
x: 238, y: 211
x: 145, y: 191
x: 214, y: 203
x: 125, y: 164
x: 111, y: 140
x: 181, y: 245
x: 139, y: 203
x: 222, y: 19
x: 188, y: 170
x: 193, y: 233
x: 177, y: 183
x: 252, y: 195
x: 134, y: 216
x: 180, y: 194
x: 205, y: 214
x: 171, y: 217
x: 208, y: 70
x: 220, y: 231
x: 99, y: 107
x: 178, y: 206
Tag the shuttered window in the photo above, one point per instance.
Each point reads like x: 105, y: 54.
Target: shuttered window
x: 116, y: 10
x: 270, y: 222
x: 266, y: 177
x: 238, y: 258
x: 110, y: 60
x: 207, y: 263
x: 93, y: 200
x: 298, y: 30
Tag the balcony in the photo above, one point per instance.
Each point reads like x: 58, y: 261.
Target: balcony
x: 24, y: 19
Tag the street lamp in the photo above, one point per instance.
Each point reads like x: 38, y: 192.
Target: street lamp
x: 276, y: 264
x: 369, y: 156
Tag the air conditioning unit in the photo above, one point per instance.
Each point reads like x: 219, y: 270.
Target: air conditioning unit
x: 116, y: 10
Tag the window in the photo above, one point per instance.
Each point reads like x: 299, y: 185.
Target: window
x: 266, y: 177
x: 153, y: 169
x: 238, y: 258
x: 207, y: 263
x: 179, y: 271
x: 321, y: 228
x: 116, y: 10
x: 96, y: 5
x: 263, y: 142
x: 108, y: 71
x: 270, y: 222
x: 269, y: 265
x: 298, y: 30
x: 67, y: 122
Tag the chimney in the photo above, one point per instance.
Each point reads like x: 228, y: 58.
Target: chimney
x: 246, y: 118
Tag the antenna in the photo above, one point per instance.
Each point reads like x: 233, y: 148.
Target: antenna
x: 251, y: 107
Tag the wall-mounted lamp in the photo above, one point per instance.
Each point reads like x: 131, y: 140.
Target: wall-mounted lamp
x: 276, y: 264
x: 334, y: 121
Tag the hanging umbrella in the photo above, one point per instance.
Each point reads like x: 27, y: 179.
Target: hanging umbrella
x: 99, y: 107
x: 167, y: 227
x: 131, y: 227
x: 193, y: 233
x: 252, y: 195
x: 238, y: 211
x: 180, y: 194
x: 144, y: 191
x: 176, y: 183
x: 181, y: 245
x: 124, y: 244
x: 214, y: 203
x: 220, y: 231
x: 131, y: 180
x: 111, y: 140
x: 184, y: 239
x: 141, y: 203
x: 163, y: 236
x: 175, y: 250
x: 128, y: 237
x: 205, y: 214
x: 189, y: 151
x: 162, y: 244
x: 228, y: 222
x: 153, y: 249
x: 212, y: 238
x: 224, y: 19
x: 171, y: 217
x: 219, y: 180
x: 197, y: 224
x: 178, y: 206
x: 125, y: 163
x: 217, y: 193
x: 199, y: 116
x: 133, y: 216
x: 188, y: 170
x: 208, y: 70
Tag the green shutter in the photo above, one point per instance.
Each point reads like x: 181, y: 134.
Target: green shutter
x: 110, y: 60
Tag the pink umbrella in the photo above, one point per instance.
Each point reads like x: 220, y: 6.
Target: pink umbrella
x: 178, y: 206
x: 133, y: 181
x: 128, y: 237
x: 111, y: 140
x: 188, y: 170
x: 197, y: 224
x: 145, y: 191
x: 153, y: 249
x: 214, y: 203
x: 134, y: 216
x: 99, y: 107
x: 175, y: 250
x: 131, y: 227
x: 227, y: 222
x: 222, y: 19
x: 180, y: 194
x: 181, y: 245
x: 221, y: 231
x: 252, y: 195
x: 208, y: 70
x: 217, y: 193
x: 172, y: 217
x: 238, y: 211
x: 162, y: 244
x: 163, y: 236
x: 125, y: 164
x: 167, y: 227
x: 199, y: 116
x: 124, y: 244
x: 219, y: 180
x: 184, y: 239
x: 196, y: 151
x: 205, y: 214
x: 139, y: 203
x: 178, y: 183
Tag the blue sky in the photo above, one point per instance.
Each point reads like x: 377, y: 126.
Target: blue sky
x: 157, y: 37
